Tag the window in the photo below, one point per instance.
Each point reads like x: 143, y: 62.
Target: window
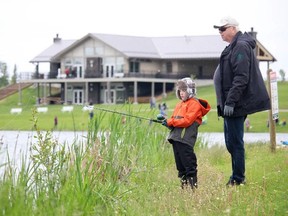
x: 134, y: 67
x: 68, y: 61
x: 169, y: 67
x: 78, y: 61
x: 120, y: 68
x: 99, y: 50
x: 119, y: 64
x: 89, y: 51
x: 200, y: 72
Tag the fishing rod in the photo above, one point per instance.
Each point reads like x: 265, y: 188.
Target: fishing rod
x: 158, y: 120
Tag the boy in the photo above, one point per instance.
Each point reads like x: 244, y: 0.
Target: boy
x: 184, y: 123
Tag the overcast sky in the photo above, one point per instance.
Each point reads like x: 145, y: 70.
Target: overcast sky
x: 27, y: 27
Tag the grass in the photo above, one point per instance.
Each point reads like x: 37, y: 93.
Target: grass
x: 129, y: 170
x: 79, y: 120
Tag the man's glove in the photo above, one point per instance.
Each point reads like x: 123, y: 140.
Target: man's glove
x: 228, y: 110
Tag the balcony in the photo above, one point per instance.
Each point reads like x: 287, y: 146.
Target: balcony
x: 143, y: 74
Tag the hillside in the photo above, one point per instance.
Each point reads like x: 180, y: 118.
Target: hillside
x: 12, y: 89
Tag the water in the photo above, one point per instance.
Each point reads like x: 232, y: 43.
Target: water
x: 15, y: 144
x: 218, y: 138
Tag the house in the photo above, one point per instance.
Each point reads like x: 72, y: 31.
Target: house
x: 104, y: 68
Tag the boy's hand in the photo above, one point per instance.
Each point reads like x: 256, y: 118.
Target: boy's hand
x: 164, y: 123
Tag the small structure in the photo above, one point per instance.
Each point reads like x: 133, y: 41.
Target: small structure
x: 67, y: 108
x: 89, y: 108
x: 16, y: 110
x: 42, y: 109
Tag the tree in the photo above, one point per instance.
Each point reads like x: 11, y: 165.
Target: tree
x: 14, y: 76
x: 3, y: 74
x: 282, y: 74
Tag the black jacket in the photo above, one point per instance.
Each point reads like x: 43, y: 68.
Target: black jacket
x: 242, y: 85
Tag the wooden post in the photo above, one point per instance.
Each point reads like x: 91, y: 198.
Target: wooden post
x: 271, y: 121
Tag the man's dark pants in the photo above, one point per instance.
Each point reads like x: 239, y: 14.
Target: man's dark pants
x: 234, y: 133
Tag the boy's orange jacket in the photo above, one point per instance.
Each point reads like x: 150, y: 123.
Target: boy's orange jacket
x: 188, y: 112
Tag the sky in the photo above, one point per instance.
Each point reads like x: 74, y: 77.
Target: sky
x: 27, y: 27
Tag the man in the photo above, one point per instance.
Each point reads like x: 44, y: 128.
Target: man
x: 240, y: 91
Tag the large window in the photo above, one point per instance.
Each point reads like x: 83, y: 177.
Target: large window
x: 119, y: 64
x: 134, y: 66
x: 169, y: 67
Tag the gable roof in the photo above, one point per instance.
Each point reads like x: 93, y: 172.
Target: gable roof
x: 54, y: 49
x: 263, y: 54
x: 180, y: 47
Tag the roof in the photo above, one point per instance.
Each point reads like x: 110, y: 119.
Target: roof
x: 179, y: 47
x: 185, y: 47
x: 131, y: 46
x: 54, y: 49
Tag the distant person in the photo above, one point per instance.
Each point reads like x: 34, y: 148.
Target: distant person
x: 152, y: 102
x: 55, y: 122
x: 163, y: 108
x: 247, y: 124
x: 91, y: 114
x: 183, y: 124
x: 164, y: 105
x: 240, y: 91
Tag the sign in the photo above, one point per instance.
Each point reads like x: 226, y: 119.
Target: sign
x: 274, y: 95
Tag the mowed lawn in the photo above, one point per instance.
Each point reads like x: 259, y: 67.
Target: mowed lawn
x: 78, y: 119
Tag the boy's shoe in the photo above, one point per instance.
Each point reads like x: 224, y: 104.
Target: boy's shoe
x: 184, y: 183
x: 193, y: 182
x: 232, y: 182
x: 189, y: 182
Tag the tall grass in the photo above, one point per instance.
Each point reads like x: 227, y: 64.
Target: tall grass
x: 84, y: 178
x: 128, y: 169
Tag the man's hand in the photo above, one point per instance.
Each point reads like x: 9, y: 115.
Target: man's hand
x: 228, y: 110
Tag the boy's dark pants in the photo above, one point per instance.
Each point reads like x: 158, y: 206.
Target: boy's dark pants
x: 185, y: 159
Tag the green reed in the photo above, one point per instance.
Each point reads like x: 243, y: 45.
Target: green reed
x: 127, y: 168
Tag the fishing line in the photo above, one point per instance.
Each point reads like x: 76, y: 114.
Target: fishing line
x: 126, y: 114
